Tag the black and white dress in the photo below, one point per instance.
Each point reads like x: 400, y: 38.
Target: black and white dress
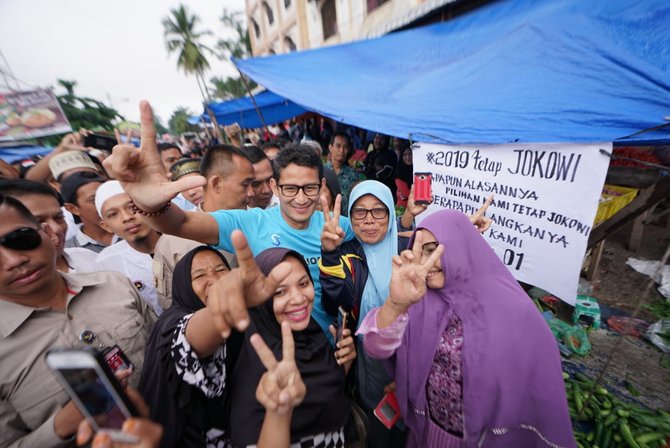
x: 209, y: 375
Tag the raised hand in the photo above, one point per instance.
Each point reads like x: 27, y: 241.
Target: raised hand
x: 408, y: 278
x: 346, y: 349
x: 280, y: 389
x: 234, y: 134
x: 479, y: 220
x: 120, y: 140
x: 141, y: 172
x: 414, y: 208
x: 71, y: 142
x: 332, y: 234
x: 244, y: 287
x: 147, y: 432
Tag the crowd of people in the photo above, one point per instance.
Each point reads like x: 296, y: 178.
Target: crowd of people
x: 268, y: 296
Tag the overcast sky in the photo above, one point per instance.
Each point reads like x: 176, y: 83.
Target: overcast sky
x: 113, y: 49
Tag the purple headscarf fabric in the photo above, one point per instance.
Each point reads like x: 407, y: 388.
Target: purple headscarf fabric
x: 511, y: 365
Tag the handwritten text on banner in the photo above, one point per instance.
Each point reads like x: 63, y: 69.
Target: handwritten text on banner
x: 545, y: 200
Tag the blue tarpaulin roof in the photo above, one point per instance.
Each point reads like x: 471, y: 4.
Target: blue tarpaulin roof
x: 514, y: 70
x: 13, y: 153
x: 242, y: 111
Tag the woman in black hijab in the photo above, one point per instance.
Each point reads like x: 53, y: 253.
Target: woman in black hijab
x: 323, y: 413
x: 193, y: 414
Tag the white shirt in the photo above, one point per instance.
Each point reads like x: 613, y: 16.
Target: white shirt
x: 120, y: 257
x: 183, y: 203
x: 71, y: 225
x: 80, y: 260
x: 84, y: 241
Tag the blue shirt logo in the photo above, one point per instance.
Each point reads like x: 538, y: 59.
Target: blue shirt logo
x: 275, y: 239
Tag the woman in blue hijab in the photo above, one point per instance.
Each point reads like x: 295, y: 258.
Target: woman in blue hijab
x: 355, y: 276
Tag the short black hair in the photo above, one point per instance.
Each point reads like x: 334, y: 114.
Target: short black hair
x: 345, y: 136
x: 165, y: 146
x: 20, y: 187
x: 271, y: 144
x: 17, y: 205
x: 298, y: 154
x: 255, y: 154
x: 218, y: 160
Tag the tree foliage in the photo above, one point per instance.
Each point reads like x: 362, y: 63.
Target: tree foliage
x: 181, y: 36
x: 84, y: 112
x: 227, y: 88
x: 237, y: 46
x: 178, y: 122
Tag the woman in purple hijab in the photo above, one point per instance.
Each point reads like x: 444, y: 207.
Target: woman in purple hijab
x: 474, y: 362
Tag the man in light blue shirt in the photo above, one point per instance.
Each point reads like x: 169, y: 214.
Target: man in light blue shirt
x: 297, y: 182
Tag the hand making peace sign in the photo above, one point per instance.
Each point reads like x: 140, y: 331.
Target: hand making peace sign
x: 244, y: 287
x: 141, y: 172
x: 280, y: 389
x: 332, y: 234
x: 408, y: 278
x: 479, y: 220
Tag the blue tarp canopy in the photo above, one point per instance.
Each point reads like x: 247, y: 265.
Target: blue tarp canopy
x: 13, y: 153
x: 242, y: 111
x: 514, y: 70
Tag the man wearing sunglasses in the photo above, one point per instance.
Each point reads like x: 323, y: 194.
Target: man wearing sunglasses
x: 42, y: 308
x: 44, y: 204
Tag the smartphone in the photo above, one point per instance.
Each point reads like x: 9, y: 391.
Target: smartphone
x: 388, y: 411
x: 422, y: 188
x: 92, y: 386
x: 100, y: 141
x: 342, y: 317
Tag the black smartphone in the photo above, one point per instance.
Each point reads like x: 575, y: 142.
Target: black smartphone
x: 100, y: 141
x: 342, y: 317
x: 92, y: 386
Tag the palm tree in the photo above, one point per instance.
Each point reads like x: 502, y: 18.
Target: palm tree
x: 238, y: 46
x: 181, y: 36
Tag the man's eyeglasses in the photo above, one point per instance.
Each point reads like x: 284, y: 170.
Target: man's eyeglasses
x: 292, y: 190
x: 362, y: 213
x: 25, y: 238
x: 429, y: 248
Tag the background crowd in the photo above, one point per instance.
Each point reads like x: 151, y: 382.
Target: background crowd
x: 220, y: 273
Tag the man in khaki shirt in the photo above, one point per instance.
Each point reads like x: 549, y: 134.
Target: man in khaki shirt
x: 41, y: 308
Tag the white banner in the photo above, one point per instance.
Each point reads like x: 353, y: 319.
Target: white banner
x: 545, y: 200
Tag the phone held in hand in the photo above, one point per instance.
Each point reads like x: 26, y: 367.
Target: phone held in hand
x: 342, y: 317
x: 388, y: 411
x: 422, y: 188
x: 100, y: 141
x: 92, y: 386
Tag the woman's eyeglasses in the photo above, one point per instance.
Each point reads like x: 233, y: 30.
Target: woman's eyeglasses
x: 25, y: 238
x: 362, y: 213
x: 429, y: 248
x: 292, y: 190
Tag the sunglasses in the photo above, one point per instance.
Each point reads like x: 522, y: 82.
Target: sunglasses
x: 25, y: 238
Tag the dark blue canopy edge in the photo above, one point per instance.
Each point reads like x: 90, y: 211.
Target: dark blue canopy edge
x: 242, y: 111
x: 11, y: 154
x: 514, y: 70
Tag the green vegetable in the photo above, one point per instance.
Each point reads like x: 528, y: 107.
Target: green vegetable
x: 623, y: 413
x: 627, y: 436
x: 649, y: 437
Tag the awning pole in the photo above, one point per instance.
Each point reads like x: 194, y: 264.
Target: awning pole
x: 253, y: 100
